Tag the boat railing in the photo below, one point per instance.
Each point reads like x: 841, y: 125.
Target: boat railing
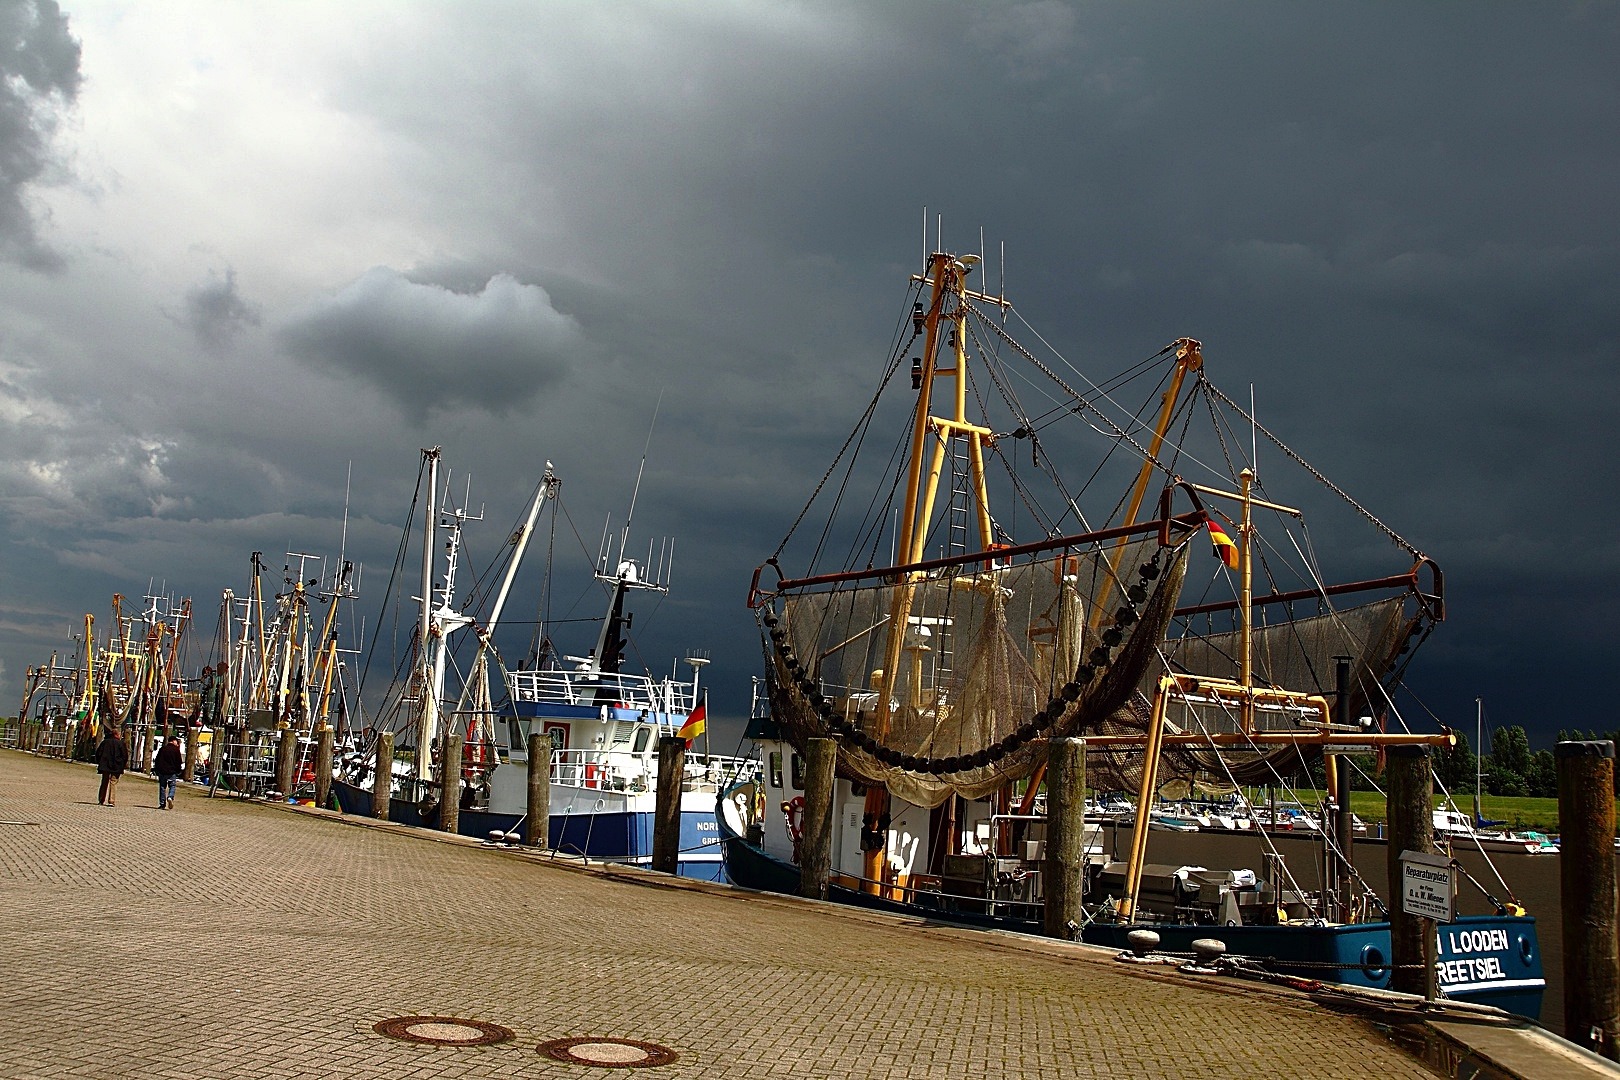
x: 603, y: 770
x: 627, y: 770
x: 246, y: 768
x: 1017, y: 895
x: 565, y: 687
x: 53, y: 742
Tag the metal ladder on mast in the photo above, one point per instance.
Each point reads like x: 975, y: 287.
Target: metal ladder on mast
x: 958, y: 520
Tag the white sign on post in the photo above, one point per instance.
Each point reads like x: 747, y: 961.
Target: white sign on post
x: 1428, y: 886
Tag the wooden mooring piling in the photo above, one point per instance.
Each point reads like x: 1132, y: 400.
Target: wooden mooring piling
x: 1411, y: 828
x: 537, y: 825
x: 666, y: 852
x: 1587, y: 887
x: 1065, y: 837
x: 382, y: 783
x: 815, y: 841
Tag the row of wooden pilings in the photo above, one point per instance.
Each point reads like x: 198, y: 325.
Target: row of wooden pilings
x: 61, y: 739
x: 1586, y: 811
x: 537, y: 819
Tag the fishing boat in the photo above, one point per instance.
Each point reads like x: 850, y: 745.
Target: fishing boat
x: 600, y: 720
x: 276, y: 671
x: 944, y: 632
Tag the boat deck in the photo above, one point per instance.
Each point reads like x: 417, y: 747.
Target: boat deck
x: 237, y: 938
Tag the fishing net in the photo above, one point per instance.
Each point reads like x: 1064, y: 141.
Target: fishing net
x: 967, y: 666
x: 1296, y: 655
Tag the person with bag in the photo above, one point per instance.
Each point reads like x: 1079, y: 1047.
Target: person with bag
x: 112, y: 758
x: 167, y: 767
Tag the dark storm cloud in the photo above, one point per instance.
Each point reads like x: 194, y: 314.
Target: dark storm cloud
x: 216, y: 312
x: 39, y: 77
x: 427, y: 348
x: 1396, y: 221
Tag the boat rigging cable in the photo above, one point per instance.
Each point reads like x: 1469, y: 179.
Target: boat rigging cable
x: 393, y: 576
x: 1330, y: 485
x: 858, y: 436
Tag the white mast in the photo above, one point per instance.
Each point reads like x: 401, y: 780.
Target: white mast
x: 520, y: 544
x: 427, y: 713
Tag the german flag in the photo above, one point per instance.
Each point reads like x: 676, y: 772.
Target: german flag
x: 1226, y: 548
x: 694, y: 722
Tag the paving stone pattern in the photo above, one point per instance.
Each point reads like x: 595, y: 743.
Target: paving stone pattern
x: 232, y: 939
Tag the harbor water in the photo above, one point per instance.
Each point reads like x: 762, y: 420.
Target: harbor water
x: 1532, y: 880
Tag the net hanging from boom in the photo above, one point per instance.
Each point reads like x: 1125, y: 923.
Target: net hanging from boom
x: 948, y: 681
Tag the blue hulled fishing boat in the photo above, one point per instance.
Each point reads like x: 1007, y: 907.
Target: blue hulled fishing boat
x: 600, y: 722
x: 946, y: 631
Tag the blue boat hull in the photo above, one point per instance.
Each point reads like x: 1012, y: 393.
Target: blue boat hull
x: 1485, y: 959
x: 608, y: 836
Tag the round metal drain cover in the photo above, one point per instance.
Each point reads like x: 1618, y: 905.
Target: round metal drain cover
x: 442, y: 1030
x: 608, y: 1053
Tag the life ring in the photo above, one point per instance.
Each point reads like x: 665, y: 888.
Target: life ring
x: 475, y: 756
x: 793, y: 809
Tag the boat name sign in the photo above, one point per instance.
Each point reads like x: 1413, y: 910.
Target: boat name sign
x: 1428, y: 886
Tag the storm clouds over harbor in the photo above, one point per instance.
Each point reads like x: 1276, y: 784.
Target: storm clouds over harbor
x: 254, y: 258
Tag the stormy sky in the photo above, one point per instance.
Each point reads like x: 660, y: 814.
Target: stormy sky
x: 254, y: 257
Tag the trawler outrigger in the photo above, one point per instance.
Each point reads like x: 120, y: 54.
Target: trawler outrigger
x: 943, y: 670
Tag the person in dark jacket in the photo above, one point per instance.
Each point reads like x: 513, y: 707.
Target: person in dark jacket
x: 168, y: 766
x: 112, y: 758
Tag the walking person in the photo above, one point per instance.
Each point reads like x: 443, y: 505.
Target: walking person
x: 112, y: 758
x: 168, y: 767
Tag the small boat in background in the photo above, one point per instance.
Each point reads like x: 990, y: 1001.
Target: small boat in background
x: 1454, y: 828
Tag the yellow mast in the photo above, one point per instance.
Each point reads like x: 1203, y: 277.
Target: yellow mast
x: 948, y: 277
x: 1245, y: 603
x: 87, y: 699
x: 327, y: 661
x: 122, y: 630
x: 261, y: 693
x: 179, y: 631
x: 1189, y: 358
x: 289, y: 645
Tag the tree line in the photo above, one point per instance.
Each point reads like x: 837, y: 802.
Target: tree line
x: 1510, y: 768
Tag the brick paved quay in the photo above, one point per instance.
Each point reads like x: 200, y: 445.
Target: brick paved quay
x: 233, y: 939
